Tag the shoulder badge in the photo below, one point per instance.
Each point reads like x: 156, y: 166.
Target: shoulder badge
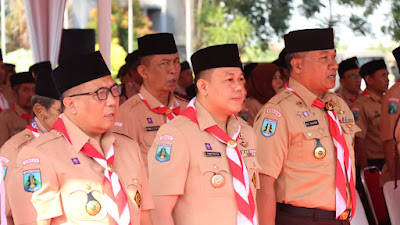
x: 268, y: 127
x: 32, y: 180
x: 163, y: 152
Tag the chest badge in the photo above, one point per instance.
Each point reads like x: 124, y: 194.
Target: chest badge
x: 254, y: 180
x: 138, y: 199
x: 217, y: 181
x: 319, y: 151
x: 241, y: 136
x: 93, y: 206
x: 244, y: 144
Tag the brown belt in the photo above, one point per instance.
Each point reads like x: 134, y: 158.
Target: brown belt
x: 307, y: 212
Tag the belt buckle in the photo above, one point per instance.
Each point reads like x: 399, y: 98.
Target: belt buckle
x: 345, y: 215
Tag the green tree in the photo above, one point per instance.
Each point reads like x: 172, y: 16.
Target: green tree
x: 17, y: 35
x: 393, y: 29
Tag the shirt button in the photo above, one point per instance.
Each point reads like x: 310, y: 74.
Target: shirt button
x: 309, y: 134
x: 135, y: 180
x: 254, y: 164
x: 215, y: 166
x: 27, y: 135
x: 58, y: 132
x: 349, y: 126
x: 87, y: 186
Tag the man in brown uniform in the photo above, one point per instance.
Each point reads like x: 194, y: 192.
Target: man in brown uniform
x: 190, y: 171
x: 350, y: 80
x: 141, y: 116
x: 388, y: 125
x: 367, y: 112
x: 81, y: 173
x: 19, y: 115
x: 46, y: 109
x: 295, y: 140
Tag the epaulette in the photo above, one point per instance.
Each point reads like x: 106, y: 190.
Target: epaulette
x: 18, y: 140
x: 242, y: 121
x: 280, y: 96
x: 44, y: 138
x: 117, y: 132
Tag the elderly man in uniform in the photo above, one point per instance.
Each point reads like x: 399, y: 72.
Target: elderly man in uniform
x: 389, y: 130
x: 46, y: 109
x: 304, y: 138
x: 19, y: 115
x: 141, y: 116
x: 350, y: 80
x: 81, y: 173
x: 367, y: 112
x: 202, y: 165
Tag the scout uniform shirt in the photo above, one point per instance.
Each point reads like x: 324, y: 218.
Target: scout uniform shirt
x: 8, y: 156
x: 188, y: 161
x: 347, y: 96
x: 58, y: 181
x: 295, y: 147
x: 11, y: 122
x: 253, y: 106
x: 367, y: 114
x: 388, y: 123
x: 137, y: 121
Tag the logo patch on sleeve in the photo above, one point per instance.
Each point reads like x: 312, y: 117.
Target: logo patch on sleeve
x: 166, y: 137
x: 4, y: 172
x: 392, y: 109
x: 163, y: 152
x: 30, y: 161
x: 4, y: 159
x: 268, y: 127
x: 32, y: 180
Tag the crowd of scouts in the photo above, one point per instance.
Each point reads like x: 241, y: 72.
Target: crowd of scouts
x: 78, y: 148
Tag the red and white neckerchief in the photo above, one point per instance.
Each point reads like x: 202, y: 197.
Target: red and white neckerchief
x: 116, y: 201
x: 24, y: 115
x: 343, y: 162
x: 171, y: 112
x: 34, y: 128
x: 365, y: 93
x: 241, y: 181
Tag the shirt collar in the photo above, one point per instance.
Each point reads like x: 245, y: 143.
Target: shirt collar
x: 306, y: 95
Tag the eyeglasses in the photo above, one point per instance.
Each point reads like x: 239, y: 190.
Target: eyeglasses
x: 102, y: 93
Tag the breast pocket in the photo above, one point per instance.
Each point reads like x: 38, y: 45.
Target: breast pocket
x: 84, y: 201
x: 216, y: 178
x: 315, y: 143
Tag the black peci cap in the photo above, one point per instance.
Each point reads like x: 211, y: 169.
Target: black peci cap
x: 157, y: 44
x: 45, y: 86
x: 45, y: 65
x: 78, y: 70
x: 348, y: 64
x: 396, y: 54
x: 309, y: 40
x: 21, y: 78
x: 371, y: 67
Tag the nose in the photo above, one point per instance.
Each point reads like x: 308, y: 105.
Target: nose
x: 334, y: 64
x: 238, y: 85
x: 175, y: 68
x: 111, y: 100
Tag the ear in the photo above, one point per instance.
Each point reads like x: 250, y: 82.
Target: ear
x: 142, y: 71
x: 202, y: 86
x: 14, y: 93
x: 368, y: 78
x: 38, y: 109
x: 296, y: 64
x: 70, y: 104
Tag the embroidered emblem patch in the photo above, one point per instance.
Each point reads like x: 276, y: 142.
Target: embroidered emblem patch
x: 4, y: 159
x: 268, y: 127
x: 355, y: 114
x: 163, y: 152
x: 138, y: 199
x: 149, y: 120
x: 75, y: 161
x: 32, y: 180
x: 275, y: 112
x: 208, y: 146
x: 248, y: 153
x: 392, y: 109
x: 305, y: 114
x: 4, y: 172
x: 31, y: 160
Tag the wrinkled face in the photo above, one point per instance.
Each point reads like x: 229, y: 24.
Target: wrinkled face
x: 186, y: 78
x: 51, y: 115
x: 225, y: 90
x: 93, y: 115
x: 318, y: 70
x: 161, y: 72
x: 24, y: 94
x: 277, y: 81
x: 379, y: 81
x: 351, y: 80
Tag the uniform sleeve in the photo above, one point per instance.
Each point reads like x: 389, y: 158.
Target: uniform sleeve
x: 4, y: 134
x: 389, y: 115
x: 147, y: 202
x: 168, y: 160
x: 33, y: 187
x: 272, y: 139
x: 361, y: 119
x: 253, y: 110
x: 126, y: 124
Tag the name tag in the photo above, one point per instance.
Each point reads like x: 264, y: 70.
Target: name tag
x: 154, y: 128
x: 213, y: 154
x: 311, y: 123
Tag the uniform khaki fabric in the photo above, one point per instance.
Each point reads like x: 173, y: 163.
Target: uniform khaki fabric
x: 8, y: 156
x: 68, y: 177
x: 389, y: 116
x: 369, y: 114
x: 253, y: 106
x: 188, y: 172
x: 347, y: 96
x: 11, y: 123
x: 286, y: 152
x: 137, y: 121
